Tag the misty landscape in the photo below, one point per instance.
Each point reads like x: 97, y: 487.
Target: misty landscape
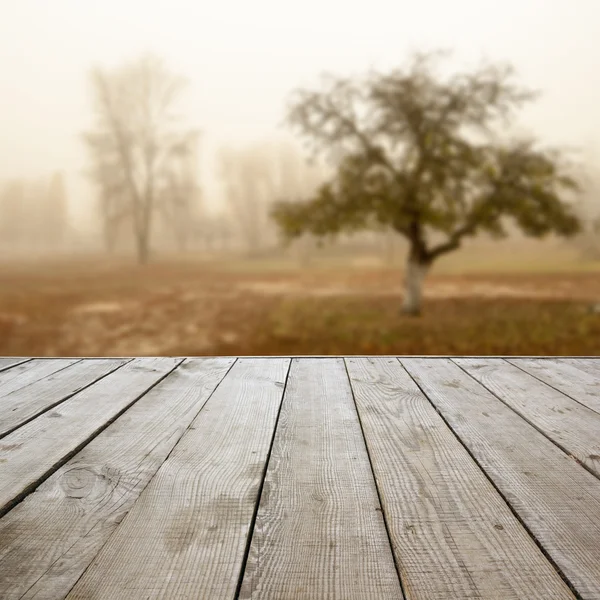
x: 322, y: 178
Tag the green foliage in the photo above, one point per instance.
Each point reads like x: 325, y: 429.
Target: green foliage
x: 420, y: 153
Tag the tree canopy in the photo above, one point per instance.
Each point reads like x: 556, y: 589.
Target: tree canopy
x: 422, y: 154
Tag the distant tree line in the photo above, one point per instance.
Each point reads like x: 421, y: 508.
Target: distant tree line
x: 144, y: 166
x: 34, y: 213
x: 254, y: 178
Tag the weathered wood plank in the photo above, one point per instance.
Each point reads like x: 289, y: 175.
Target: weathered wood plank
x: 319, y: 531
x: 20, y: 376
x: 574, y: 427
x: 186, y: 535
x: 49, y: 539
x: 8, y: 362
x: 588, y: 365
x: 34, y: 451
x: 443, y: 514
x: 568, y: 378
x: 557, y: 499
x: 24, y: 404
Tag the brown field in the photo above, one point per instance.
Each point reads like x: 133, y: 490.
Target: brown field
x: 99, y: 308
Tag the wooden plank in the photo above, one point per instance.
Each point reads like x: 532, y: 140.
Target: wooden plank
x: 24, y: 404
x: 186, y: 535
x: 572, y: 426
x: 443, y: 514
x: 568, y: 378
x: 25, y: 374
x: 49, y: 539
x: 586, y: 364
x: 556, y: 498
x: 32, y: 452
x: 8, y: 362
x: 319, y: 531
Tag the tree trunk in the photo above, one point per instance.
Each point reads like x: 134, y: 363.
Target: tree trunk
x: 413, y: 285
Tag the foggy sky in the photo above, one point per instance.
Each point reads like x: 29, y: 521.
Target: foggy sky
x: 244, y: 56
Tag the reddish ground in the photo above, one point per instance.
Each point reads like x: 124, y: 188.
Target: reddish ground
x: 102, y: 309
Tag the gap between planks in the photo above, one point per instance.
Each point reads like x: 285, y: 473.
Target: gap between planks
x: 186, y: 535
x: 31, y: 453
x: 554, y: 497
x: 22, y: 405
x: 444, y: 515
x: 66, y: 521
x: 319, y: 532
x: 571, y: 426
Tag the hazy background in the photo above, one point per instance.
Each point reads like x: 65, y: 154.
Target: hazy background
x: 242, y: 59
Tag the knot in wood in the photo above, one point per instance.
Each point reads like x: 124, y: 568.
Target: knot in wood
x: 77, y: 482
x: 80, y: 482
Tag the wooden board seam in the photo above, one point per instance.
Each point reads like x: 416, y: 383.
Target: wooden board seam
x: 65, y: 398
x: 64, y: 459
x: 556, y: 443
x: 515, y: 364
x: 493, y: 483
x: 381, y: 507
x: 15, y: 364
x: 165, y: 459
x: 238, y: 588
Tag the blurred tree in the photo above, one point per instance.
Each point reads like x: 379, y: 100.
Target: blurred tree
x: 113, y: 206
x: 215, y: 232
x: 588, y: 242
x: 13, y: 213
x: 420, y: 153
x: 136, y: 140
x: 182, y: 195
x: 255, y: 177
x: 55, y: 211
x: 247, y: 178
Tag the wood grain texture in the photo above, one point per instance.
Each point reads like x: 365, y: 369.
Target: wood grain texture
x: 587, y: 365
x: 186, y: 535
x: 23, y: 375
x: 49, y: 539
x: 443, y: 514
x: 574, y: 427
x: 567, y: 378
x: 24, y: 404
x: 557, y: 499
x: 7, y: 363
x: 319, y: 531
x: 34, y: 451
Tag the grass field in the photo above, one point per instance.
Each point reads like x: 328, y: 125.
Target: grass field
x: 191, y: 307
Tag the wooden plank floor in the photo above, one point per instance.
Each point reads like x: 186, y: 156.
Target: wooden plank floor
x: 295, y: 478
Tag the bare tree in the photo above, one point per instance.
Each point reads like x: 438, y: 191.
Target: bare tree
x: 245, y: 174
x: 257, y: 176
x: 134, y: 143
x: 181, y: 195
x: 113, y: 207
